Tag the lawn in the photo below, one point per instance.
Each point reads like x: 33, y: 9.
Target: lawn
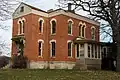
x: 57, y: 75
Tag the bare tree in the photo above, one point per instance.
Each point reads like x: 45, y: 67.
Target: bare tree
x: 107, y: 10
x: 6, y: 9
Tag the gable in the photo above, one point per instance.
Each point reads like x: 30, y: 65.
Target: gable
x: 22, y: 10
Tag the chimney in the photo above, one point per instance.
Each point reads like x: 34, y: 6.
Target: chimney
x: 69, y: 6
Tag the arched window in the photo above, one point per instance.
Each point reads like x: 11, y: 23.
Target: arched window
x: 41, y: 21
x: 70, y: 27
x: 23, y: 26
x: 53, y: 26
x: 80, y: 26
x: 93, y: 33
x: 20, y: 27
x: 83, y: 30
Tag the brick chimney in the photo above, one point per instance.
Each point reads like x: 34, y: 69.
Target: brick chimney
x: 69, y: 6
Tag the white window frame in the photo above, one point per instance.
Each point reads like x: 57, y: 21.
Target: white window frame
x: 69, y: 41
x: 94, y: 32
x: 70, y: 20
x: 51, y: 31
x: 83, y: 24
x: 42, y: 24
x: 80, y: 23
x: 42, y: 42
x: 51, y: 48
x: 21, y: 20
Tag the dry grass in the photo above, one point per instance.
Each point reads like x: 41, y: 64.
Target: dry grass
x: 57, y: 75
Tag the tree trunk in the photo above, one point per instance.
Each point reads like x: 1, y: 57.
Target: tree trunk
x: 118, y: 58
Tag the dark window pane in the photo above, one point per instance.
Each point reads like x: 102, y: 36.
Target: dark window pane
x: 20, y: 26
x: 23, y: 26
x: 69, y: 27
x: 77, y: 50
x: 39, y: 48
x: 40, y: 26
x: 69, y: 49
x: 53, y: 49
x: 83, y: 35
x: 88, y: 51
x: 53, y: 27
x: 22, y: 9
x: 80, y: 29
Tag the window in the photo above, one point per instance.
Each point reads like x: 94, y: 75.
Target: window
x: 92, y: 48
x: 95, y: 51
x: 52, y: 48
x: 23, y: 26
x: 40, y: 48
x: 22, y: 9
x: 93, y: 33
x: 83, y: 31
x: 20, y: 27
x: 40, y: 26
x: 53, y: 27
x: 89, y: 51
x: 69, y: 49
x: 70, y: 27
x: 80, y: 26
x: 99, y: 51
x: 78, y: 49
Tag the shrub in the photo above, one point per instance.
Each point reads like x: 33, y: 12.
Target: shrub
x: 19, y: 62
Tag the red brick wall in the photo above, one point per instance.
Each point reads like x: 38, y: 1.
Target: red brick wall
x: 32, y: 36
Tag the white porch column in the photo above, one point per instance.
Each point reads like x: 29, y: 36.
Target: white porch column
x: 86, y: 50
x: 97, y: 50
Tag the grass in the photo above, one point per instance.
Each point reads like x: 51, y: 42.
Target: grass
x: 26, y: 74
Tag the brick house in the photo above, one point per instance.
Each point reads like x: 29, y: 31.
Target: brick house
x: 57, y: 39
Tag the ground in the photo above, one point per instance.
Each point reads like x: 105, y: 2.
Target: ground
x: 57, y: 75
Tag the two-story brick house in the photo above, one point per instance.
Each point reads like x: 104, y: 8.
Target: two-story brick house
x: 57, y: 39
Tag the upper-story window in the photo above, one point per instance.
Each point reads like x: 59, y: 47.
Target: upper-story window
x: 22, y: 9
x: 83, y: 30
x: 21, y: 26
x: 53, y: 26
x: 93, y: 33
x: 41, y: 21
x: 70, y: 22
x: 80, y: 26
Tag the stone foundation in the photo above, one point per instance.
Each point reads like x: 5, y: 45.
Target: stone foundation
x: 51, y: 65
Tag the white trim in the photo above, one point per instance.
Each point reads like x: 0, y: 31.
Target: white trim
x: 24, y: 19
x: 58, y: 12
x: 83, y: 24
x: 51, y: 47
x: 42, y: 24
x: 42, y: 42
x: 94, y: 32
x: 70, y: 20
x: 69, y: 41
x: 53, y: 19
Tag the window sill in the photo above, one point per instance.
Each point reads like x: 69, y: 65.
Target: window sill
x: 53, y: 34
x: 53, y: 57
x: 40, y: 33
x: 70, y: 57
x: 70, y: 35
x: 40, y: 56
x: 21, y: 34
